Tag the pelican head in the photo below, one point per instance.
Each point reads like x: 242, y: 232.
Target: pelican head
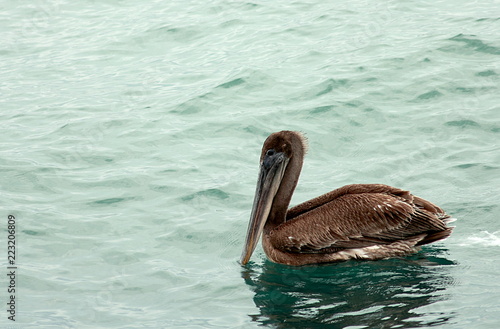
x: 280, y: 164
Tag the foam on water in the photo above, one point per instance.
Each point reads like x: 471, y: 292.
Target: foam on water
x: 484, y: 238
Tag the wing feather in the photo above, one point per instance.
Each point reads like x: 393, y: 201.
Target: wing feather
x: 357, y: 216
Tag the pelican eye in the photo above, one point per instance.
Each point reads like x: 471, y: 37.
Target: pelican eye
x: 269, y: 159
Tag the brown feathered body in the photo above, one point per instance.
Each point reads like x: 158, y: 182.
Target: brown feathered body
x: 359, y: 221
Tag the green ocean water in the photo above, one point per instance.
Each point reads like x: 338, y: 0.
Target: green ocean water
x: 131, y: 133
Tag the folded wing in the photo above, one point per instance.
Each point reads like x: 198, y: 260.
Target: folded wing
x: 358, y: 216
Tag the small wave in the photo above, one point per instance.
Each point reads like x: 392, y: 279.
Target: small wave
x: 484, y: 238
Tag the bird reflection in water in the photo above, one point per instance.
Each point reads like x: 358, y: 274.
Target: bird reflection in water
x: 376, y: 294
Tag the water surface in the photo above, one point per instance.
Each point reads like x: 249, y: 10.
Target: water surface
x: 129, y: 154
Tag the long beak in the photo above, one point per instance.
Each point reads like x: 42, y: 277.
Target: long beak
x: 270, y: 176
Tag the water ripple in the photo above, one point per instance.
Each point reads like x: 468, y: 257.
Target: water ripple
x: 365, y: 295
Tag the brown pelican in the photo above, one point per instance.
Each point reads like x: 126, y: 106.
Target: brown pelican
x: 359, y: 221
